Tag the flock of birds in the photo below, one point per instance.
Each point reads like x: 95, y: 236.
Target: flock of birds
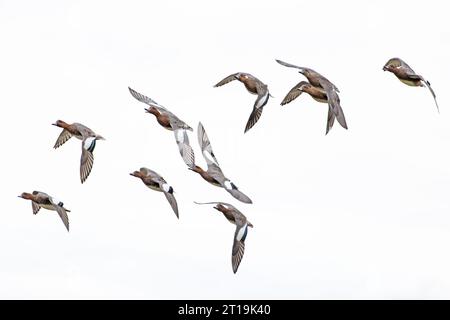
x: 317, y: 86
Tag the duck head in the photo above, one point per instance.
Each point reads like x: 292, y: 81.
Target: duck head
x: 26, y: 195
x: 60, y: 123
x: 137, y: 174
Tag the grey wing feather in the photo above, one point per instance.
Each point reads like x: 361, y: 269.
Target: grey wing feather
x: 432, y: 93
x: 239, y: 195
x: 62, y: 138
x: 173, y: 202
x: 261, y: 101
x: 186, y: 151
x: 227, y: 79
x: 176, y: 123
x: 205, y: 144
x: 230, y: 206
x: 334, y: 102
x: 292, y: 94
x: 254, y: 117
x: 86, y: 163
x: 63, y: 214
x: 330, y: 120
x: 142, y: 98
x: 429, y: 88
x: 288, y: 64
x: 35, y: 207
x: 238, y: 251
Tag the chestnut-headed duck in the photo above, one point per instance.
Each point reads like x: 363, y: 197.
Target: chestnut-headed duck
x: 42, y: 200
x: 407, y: 75
x: 155, y: 182
x: 236, y: 217
x: 316, y: 93
x: 89, y: 139
x: 170, y: 122
x: 318, y: 80
x: 214, y: 174
x: 254, y: 86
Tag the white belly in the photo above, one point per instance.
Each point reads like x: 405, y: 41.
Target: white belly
x: 156, y: 188
x: 410, y: 82
x: 47, y: 206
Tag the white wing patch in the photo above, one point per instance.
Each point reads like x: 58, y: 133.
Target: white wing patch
x: 55, y: 201
x: 262, y: 100
x: 208, y: 156
x: 228, y: 185
x: 88, y: 142
x: 166, y: 187
x: 179, y: 135
x: 241, y: 233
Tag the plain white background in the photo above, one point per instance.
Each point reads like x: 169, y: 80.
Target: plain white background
x: 362, y: 213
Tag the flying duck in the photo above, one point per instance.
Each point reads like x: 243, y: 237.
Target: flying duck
x: 42, y: 200
x: 254, y: 86
x: 214, y: 174
x: 331, y: 91
x: 155, y: 182
x: 89, y: 139
x: 170, y: 122
x: 316, y: 93
x: 407, y: 75
x: 236, y: 217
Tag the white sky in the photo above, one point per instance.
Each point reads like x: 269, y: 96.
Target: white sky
x: 362, y: 213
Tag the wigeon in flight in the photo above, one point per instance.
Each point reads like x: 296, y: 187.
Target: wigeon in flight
x: 236, y: 217
x: 254, y: 86
x: 155, y: 182
x: 407, y: 75
x: 170, y: 122
x: 331, y: 91
x: 42, y: 200
x: 316, y: 93
x: 214, y: 174
x: 89, y: 139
